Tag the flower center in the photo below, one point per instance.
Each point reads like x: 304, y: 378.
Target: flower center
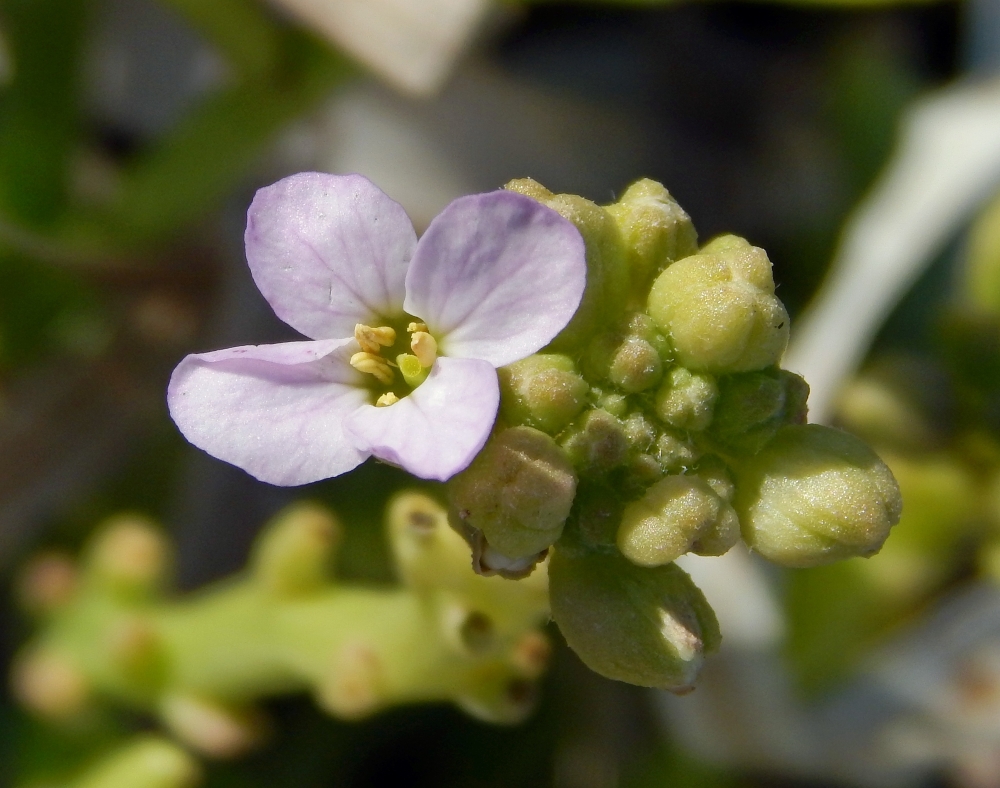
x: 413, y: 367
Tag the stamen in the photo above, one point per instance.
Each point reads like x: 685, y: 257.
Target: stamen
x: 424, y: 347
x: 371, y: 339
x: 386, y: 400
x: 417, y: 326
x: 372, y: 364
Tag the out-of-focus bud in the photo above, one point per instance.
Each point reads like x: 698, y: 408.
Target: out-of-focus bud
x: 635, y: 366
x: 543, y: 391
x: 815, y: 495
x: 517, y: 492
x: 354, y: 686
x: 47, y: 583
x: 129, y: 556
x: 294, y: 554
x: 650, y: 627
x: 607, y: 270
x: 213, y: 728
x: 500, y: 697
x: 655, y: 229
x: 752, y: 407
x: 677, y: 515
x: 686, y: 399
x: 135, y: 652
x: 719, y: 310
x: 596, y: 443
x: 151, y: 762
x: 50, y: 684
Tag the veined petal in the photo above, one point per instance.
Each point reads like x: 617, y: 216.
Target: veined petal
x: 328, y: 251
x: 276, y: 411
x: 496, y: 276
x: 438, y: 429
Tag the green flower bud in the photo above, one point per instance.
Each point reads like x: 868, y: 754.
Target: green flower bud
x: 650, y: 627
x: 642, y: 326
x: 615, y: 404
x: 517, y: 492
x: 596, y: 443
x: 752, y: 407
x: 686, y: 399
x: 674, y: 452
x: 607, y: 270
x: 543, y: 391
x: 717, y: 475
x: 677, y: 515
x: 655, y: 229
x: 719, y: 309
x: 149, y: 762
x: 640, y: 432
x: 294, y: 555
x: 815, y: 495
x: 635, y: 366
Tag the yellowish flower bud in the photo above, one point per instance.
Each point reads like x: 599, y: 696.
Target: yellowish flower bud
x: 719, y: 310
x: 151, y: 762
x: 635, y: 366
x: 129, y: 556
x: 753, y: 406
x: 815, y: 495
x: 607, y: 270
x: 655, y: 229
x: 543, y: 391
x: 517, y: 492
x: 596, y: 442
x: 675, y: 452
x: 677, y: 515
x: 650, y: 627
x: 294, y: 554
x: 686, y: 399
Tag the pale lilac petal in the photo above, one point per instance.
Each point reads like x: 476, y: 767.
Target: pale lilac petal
x: 276, y: 411
x: 496, y: 276
x: 328, y: 252
x: 437, y: 430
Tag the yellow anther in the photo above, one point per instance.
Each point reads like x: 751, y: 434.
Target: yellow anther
x: 372, y: 364
x: 424, y: 347
x: 371, y: 339
x: 416, y: 327
x: 386, y: 400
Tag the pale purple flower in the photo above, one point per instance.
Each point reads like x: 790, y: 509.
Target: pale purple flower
x: 495, y: 277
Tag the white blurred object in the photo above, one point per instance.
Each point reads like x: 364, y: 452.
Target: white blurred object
x: 946, y: 164
x: 410, y: 43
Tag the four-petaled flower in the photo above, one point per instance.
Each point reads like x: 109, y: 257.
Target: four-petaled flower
x: 493, y: 279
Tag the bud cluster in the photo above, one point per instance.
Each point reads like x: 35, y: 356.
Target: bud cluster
x: 658, y: 423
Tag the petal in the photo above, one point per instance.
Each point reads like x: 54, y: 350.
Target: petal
x: 328, y: 251
x: 496, y: 276
x: 276, y: 411
x: 437, y: 430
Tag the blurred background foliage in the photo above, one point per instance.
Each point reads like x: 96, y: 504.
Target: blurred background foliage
x: 132, y: 135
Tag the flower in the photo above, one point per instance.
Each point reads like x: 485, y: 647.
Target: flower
x: 493, y: 279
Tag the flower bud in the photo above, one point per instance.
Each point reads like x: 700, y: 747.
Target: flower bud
x: 151, y: 762
x: 677, y: 515
x: 686, y: 399
x: 294, y: 554
x: 596, y: 443
x: 815, y: 495
x: 213, y: 728
x: 607, y: 270
x: 674, y: 452
x: 517, y: 492
x: 655, y: 229
x: 752, y: 407
x: 650, y: 627
x: 719, y: 309
x: 543, y: 391
x: 635, y: 366
x: 50, y: 683
x: 129, y: 556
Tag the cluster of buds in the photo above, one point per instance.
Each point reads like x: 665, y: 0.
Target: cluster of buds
x: 658, y: 423
x: 110, y: 634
